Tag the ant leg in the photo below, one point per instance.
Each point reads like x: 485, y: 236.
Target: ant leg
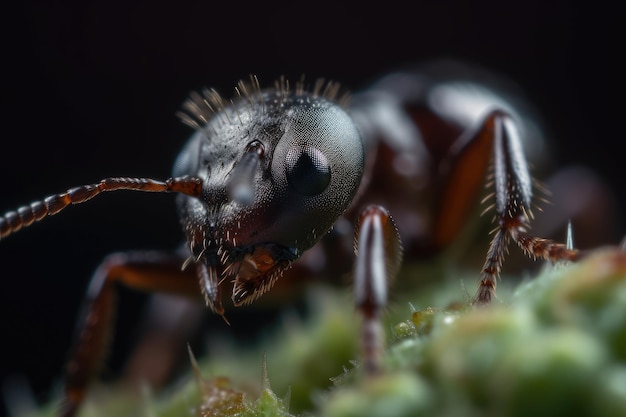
x: 147, y: 271
x: 496, y: 145
x: 379, y: 257
x: 167, y: 324
x: 461, y: 178
x: 513, y: 194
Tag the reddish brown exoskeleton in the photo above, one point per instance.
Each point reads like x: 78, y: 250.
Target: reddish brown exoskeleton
x: 265, y: 176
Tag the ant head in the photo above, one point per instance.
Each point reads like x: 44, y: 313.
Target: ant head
x: 278, y: 167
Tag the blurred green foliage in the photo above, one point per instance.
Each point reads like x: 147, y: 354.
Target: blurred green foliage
x: 555, y: 345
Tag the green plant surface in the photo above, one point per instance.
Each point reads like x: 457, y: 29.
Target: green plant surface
x: 553, y: 345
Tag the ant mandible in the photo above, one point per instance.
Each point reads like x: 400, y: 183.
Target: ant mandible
x: 265, y: 176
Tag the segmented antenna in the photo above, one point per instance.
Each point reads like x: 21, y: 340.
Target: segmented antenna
x: 13, y: 221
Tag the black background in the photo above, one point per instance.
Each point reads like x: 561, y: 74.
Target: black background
x: 89, y: 90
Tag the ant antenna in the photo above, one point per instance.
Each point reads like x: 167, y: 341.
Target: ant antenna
x: 13, y: 221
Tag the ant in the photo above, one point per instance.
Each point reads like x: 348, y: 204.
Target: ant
x: 265, y: 176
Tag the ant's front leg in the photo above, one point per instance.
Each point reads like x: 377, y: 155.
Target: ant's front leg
x: 513, y: 185
x: 379, y: 257
x: 149, y: 271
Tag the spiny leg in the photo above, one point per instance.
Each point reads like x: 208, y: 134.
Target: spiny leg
x: 513, y: 195
x: 379, y: 256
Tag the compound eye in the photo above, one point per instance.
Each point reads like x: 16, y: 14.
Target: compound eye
x: 316, y: 169
x: 307, y: 170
